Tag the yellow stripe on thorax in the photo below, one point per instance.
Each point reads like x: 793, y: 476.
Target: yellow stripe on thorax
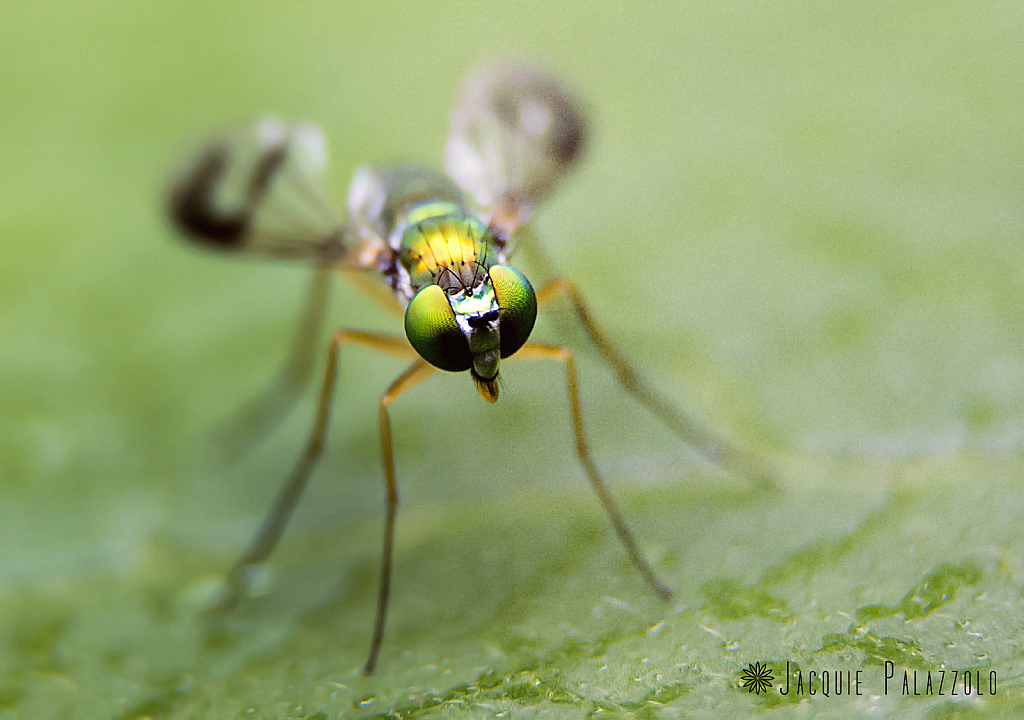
x: 443, y: 244
x: 438, y: 240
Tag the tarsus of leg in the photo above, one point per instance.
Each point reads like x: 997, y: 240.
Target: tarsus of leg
x: 413, y: 375
x: 713, y: 448
x: 536, y: 350
x: 266, y: 539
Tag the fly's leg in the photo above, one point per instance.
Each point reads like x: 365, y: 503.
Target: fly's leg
x: 274, y: 523
x: 237, y: 434
x: 413, y: 375
x: 536, y: 350
x: 713, y: 448
x: 243, y: 430
x: 527, y: 243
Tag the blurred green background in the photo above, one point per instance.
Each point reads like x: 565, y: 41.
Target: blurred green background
x: 803, y: 219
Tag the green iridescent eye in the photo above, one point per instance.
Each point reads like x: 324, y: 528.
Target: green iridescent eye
x: 517, y: 306
x: 431, y: 328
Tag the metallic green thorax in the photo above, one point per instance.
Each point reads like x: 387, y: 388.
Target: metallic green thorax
x: 444, y: 244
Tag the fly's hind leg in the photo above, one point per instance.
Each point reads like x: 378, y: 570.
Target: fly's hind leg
x: 536, y: 350
x: 710, y: 446
x: 240, y: 432
x: 276, y: 520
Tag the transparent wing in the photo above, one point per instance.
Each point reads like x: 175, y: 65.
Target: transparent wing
x: 259, y: 189
x: 515, y: 133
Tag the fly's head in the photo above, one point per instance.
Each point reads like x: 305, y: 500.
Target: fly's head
x: 458, y: 328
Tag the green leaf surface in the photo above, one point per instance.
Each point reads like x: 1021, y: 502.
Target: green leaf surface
x: 803, y: 221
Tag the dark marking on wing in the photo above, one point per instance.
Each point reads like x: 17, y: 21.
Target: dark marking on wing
x: 569, y: 135
x: 191, y: 202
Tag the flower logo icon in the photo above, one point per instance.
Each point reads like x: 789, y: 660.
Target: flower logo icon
x: 757, y: 678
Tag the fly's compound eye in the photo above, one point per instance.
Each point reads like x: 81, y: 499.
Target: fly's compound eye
x: 433, y: 332
x: 517, y: 307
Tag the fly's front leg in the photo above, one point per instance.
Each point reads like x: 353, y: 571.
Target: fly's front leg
x: 269, y: 534
x: 536, y: 350
x: 713, y: 448
x: 413, y: 375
